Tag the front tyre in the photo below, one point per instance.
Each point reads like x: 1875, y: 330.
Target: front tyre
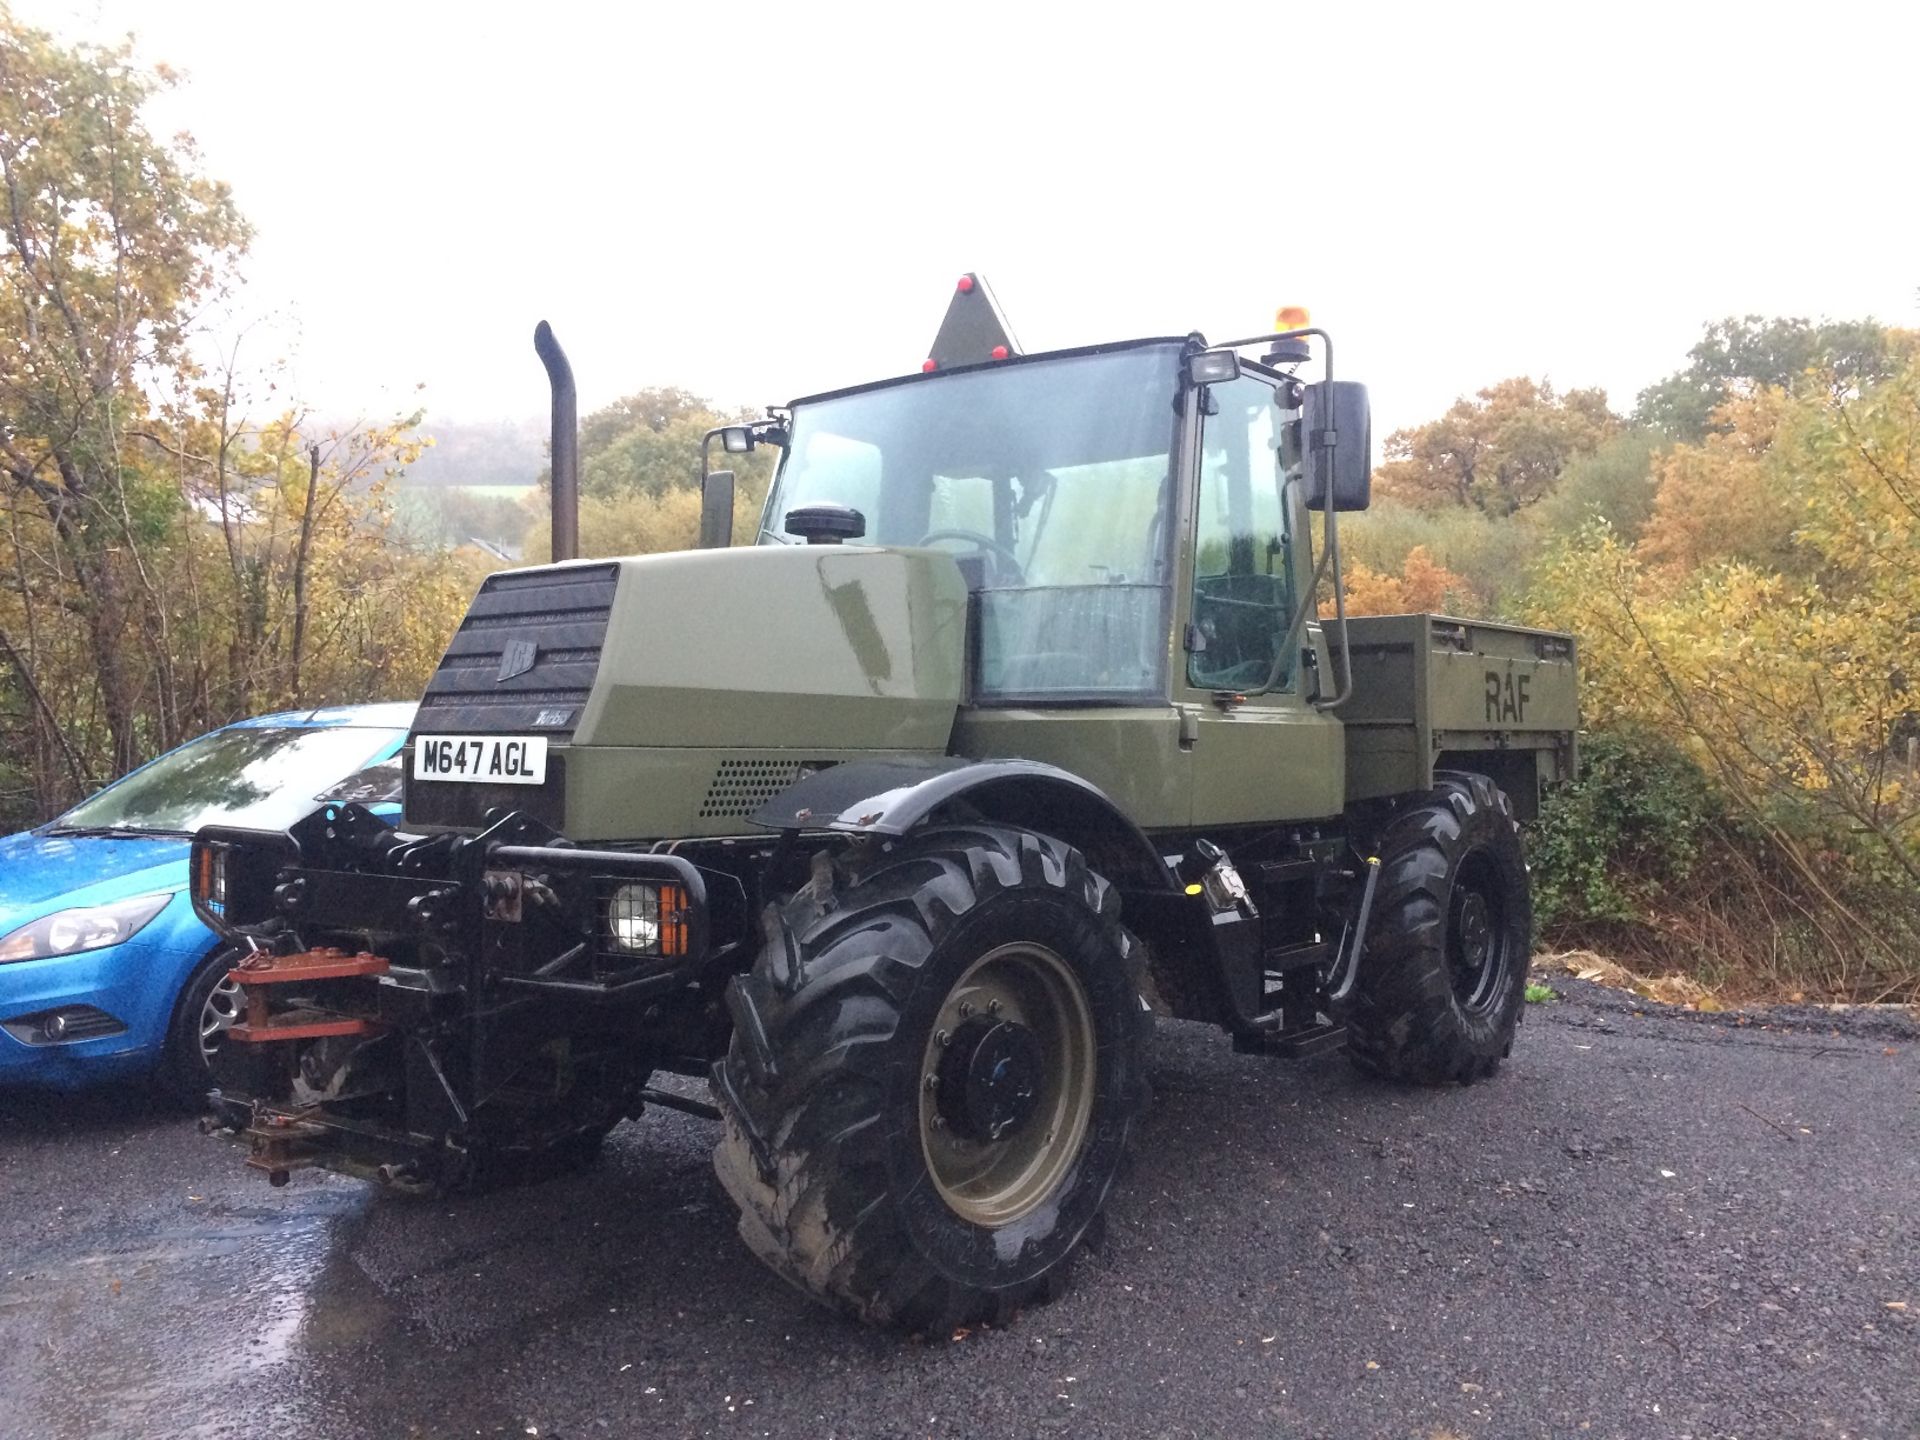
x: 194, y: 1058
x: 1443, y: 979
x: 933, y: 1079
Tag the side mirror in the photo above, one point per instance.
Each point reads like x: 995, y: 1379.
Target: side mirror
x: 716, y: 510
x: 1339, y: 431
x: 736, y: 439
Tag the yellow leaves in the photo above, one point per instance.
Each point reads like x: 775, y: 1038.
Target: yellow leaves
x: 1423, y: 585
x: 1766, y: 620
x: 1723, y: 498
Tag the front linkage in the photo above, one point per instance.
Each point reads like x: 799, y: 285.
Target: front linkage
x: 421, y: 1009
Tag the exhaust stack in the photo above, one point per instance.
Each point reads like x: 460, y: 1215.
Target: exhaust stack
x: 566, y: 444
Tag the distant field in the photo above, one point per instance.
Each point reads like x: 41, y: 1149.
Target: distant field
x: 492, y: 492
x: 479, y: 492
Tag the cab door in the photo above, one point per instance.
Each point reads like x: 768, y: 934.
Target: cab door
x: 1259, y: 750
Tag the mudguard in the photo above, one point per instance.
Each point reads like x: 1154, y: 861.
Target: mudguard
x: 891, y: 796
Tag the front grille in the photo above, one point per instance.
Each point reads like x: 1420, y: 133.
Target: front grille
x: 554, y: 618
x: 63, y: 1026
x: 740, y: 787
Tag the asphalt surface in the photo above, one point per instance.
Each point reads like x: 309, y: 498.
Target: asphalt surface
x: 1650, y: 1224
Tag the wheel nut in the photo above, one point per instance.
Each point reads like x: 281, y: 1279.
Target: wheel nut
x: 966, y: 1008
x: 942, y: 1039
x: 933, y: 1082
x: 993, y: 1007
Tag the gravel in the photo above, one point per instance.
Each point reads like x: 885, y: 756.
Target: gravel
x: 1652, y: 1223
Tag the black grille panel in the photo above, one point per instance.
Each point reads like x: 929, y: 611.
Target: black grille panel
x: 561, y: 611
x: 741, y: 787
x: 463, y: 804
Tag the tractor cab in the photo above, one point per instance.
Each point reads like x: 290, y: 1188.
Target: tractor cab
x: 1051, y: 481
x: 1132, y: 524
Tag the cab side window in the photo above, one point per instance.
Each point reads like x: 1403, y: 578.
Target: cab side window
x: 1242, y: 584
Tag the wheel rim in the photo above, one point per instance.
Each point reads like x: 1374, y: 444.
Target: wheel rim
x: 219, y: 1015
x: 1007, y: 1084
x: 1479, y: 949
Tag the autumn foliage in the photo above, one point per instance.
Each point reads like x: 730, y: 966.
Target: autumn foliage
x: 1498, y: 452
x: 178, y: 546
x: 1765, y: 627
x: 1742, y: 570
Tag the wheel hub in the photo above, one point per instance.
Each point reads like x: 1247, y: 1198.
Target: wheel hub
x: 1476, y: 931
x: 1007, y: 1083
x: 1477, y: 955
x: 221, y: 1013
x: 990, y: 1078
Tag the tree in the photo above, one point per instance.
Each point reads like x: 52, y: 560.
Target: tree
x: 640, y: 475
x: 1423, y: 586
x: 167, y: 563
x: 1729, y: 497
x: 1613, y: 482
x: 1498, y: 452
x: 113, y: 241
x: 1786, y: 673
x: 649, y: 444
x: 1740, y: 355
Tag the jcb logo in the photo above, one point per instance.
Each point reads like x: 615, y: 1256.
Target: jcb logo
x: 1507, y: 697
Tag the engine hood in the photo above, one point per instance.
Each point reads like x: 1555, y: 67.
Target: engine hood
x: 40, y: 873
x: 781, y: 647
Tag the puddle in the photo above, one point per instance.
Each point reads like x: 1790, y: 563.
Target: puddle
x: 171, y: 1326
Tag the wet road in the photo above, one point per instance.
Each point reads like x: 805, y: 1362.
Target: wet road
x: 1649, y: 1225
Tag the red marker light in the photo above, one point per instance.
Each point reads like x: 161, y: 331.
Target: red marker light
x: 929, y: 364
x: 966, y: 284
x: 999, y: 352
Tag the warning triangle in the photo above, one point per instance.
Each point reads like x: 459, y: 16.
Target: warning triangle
x: 974, y: 329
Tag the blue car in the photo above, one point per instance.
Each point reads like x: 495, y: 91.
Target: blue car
x: 105, y: 970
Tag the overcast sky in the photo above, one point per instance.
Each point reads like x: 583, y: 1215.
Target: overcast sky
x: 758, y: 202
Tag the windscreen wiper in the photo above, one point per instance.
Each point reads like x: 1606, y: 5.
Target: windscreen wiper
x: 115, y: 832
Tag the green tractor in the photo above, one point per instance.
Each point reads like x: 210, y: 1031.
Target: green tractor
x: 1018, y: 723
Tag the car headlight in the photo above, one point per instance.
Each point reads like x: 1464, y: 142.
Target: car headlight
x: 91, y: 927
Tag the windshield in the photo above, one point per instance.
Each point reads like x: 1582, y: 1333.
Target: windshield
x: 1050, y: 481
x: 262, y: 779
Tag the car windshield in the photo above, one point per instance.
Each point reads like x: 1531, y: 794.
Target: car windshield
x: 1050, y: 480
x: 261, y: 778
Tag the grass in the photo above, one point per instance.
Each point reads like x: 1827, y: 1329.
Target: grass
x: 1538, y: 994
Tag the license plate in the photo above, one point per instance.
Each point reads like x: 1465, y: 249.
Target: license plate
x: 489, y: 759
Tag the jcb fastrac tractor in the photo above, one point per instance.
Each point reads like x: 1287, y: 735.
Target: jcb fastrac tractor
x: 1018, y: 722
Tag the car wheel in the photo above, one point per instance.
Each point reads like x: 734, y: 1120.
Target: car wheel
x: 210, y: 1005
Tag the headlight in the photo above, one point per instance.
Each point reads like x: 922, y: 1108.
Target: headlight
x: 633, y: 919
x: 644, y: 919
x: 210, y: 877
x: 69, y: 932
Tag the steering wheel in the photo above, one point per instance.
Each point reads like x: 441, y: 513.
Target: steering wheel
x: 1002, y: 554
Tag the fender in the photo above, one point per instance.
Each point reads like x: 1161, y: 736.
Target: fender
x: 892, y: 796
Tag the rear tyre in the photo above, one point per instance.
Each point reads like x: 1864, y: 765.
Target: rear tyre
x: 934, y: 1077
x: 1444, y: 976
x: 195, y: 1058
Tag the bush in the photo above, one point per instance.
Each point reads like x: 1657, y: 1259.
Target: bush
x: 1623, y: 840
x: 1487, y: 556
